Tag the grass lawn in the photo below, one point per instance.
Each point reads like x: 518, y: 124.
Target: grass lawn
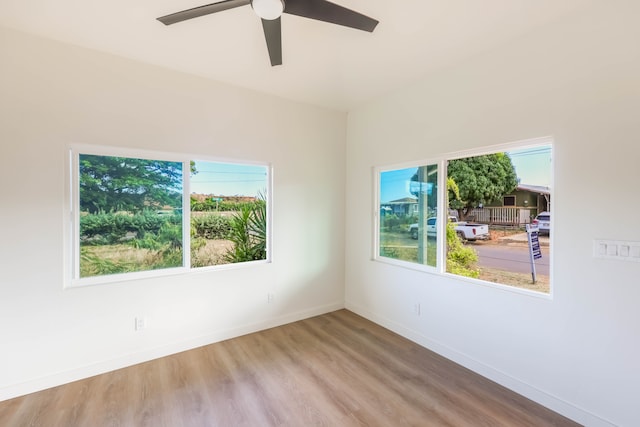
x: 123, y: 258
x: 518, y: 280
x: 399, y: 245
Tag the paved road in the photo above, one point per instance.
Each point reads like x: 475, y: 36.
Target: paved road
x: 510, y: 257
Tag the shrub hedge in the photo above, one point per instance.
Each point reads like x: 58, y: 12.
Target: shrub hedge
x: 111, y: 228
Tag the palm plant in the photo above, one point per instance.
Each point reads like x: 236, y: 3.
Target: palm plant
x: 248, y: 234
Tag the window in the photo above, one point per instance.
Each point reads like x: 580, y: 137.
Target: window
x: 490, y: 201
x: 509, y: 201
x: 407, y: 214
x: 148, y: 214
x: 228, y: 213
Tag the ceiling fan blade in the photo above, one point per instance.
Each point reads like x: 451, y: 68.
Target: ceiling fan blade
x: 326, y: 11
x: 201, y: 11
x: 273, y: 36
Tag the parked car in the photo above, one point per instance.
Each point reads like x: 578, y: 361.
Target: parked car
x: 466, y: 231
x: 543, y: 221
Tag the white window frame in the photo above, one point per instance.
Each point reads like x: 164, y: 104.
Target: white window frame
x: 377, y: 171
x: 442, y: 212
x: 72, y: 277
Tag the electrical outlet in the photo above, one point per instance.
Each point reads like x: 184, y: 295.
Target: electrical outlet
x: 141, y: 323
x: 270, y: 298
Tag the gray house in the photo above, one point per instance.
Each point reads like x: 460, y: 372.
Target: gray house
x: 406, y: 206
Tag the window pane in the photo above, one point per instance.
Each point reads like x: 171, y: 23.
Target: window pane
x: 408, y: 212
x: 509, y: 200
x: 228, y: 213
x: 130, y: 214
x: 493, y: 198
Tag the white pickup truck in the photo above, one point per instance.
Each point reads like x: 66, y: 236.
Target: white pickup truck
x: 465, y: 230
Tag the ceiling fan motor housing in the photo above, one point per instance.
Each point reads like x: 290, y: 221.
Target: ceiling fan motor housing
x: 268, y: 9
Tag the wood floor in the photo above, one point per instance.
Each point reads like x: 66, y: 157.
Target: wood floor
x: 336, y: 369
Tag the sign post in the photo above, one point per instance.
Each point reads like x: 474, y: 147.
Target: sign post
x: 217, y: 200
x: 534, y: 248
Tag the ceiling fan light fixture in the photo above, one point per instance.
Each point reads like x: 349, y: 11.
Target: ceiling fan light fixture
x: 268, y: 9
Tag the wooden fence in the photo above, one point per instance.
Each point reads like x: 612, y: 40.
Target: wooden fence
x: 503, y: 215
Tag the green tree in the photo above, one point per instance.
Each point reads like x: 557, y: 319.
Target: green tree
x: 453, y: 191
x: 111, y: 184
x: 480, y: 180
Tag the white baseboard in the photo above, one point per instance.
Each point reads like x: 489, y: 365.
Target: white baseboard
x: 545, y: 399
x: 64, y: 377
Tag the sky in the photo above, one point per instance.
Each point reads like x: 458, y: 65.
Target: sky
x: 533, y: 167
x: 229, y: 179
x: 394, y: 184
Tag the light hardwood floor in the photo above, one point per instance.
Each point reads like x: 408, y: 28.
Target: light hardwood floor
x: 337, y: 369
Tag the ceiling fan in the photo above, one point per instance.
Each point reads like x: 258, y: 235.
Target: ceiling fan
x: 271, y: 10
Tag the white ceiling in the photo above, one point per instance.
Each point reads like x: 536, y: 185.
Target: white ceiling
x: 323, y: 64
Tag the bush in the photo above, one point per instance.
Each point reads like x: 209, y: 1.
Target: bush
x: 389, y: 222
x: 208, y: 205
x: 210, y: 226
x: 148, y: 230
x: 111, y: 228
x: 461, y: 260
x: 409, y: 219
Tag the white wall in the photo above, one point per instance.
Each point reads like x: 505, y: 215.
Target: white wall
x: 52, y: 95
x: 578, y: 81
